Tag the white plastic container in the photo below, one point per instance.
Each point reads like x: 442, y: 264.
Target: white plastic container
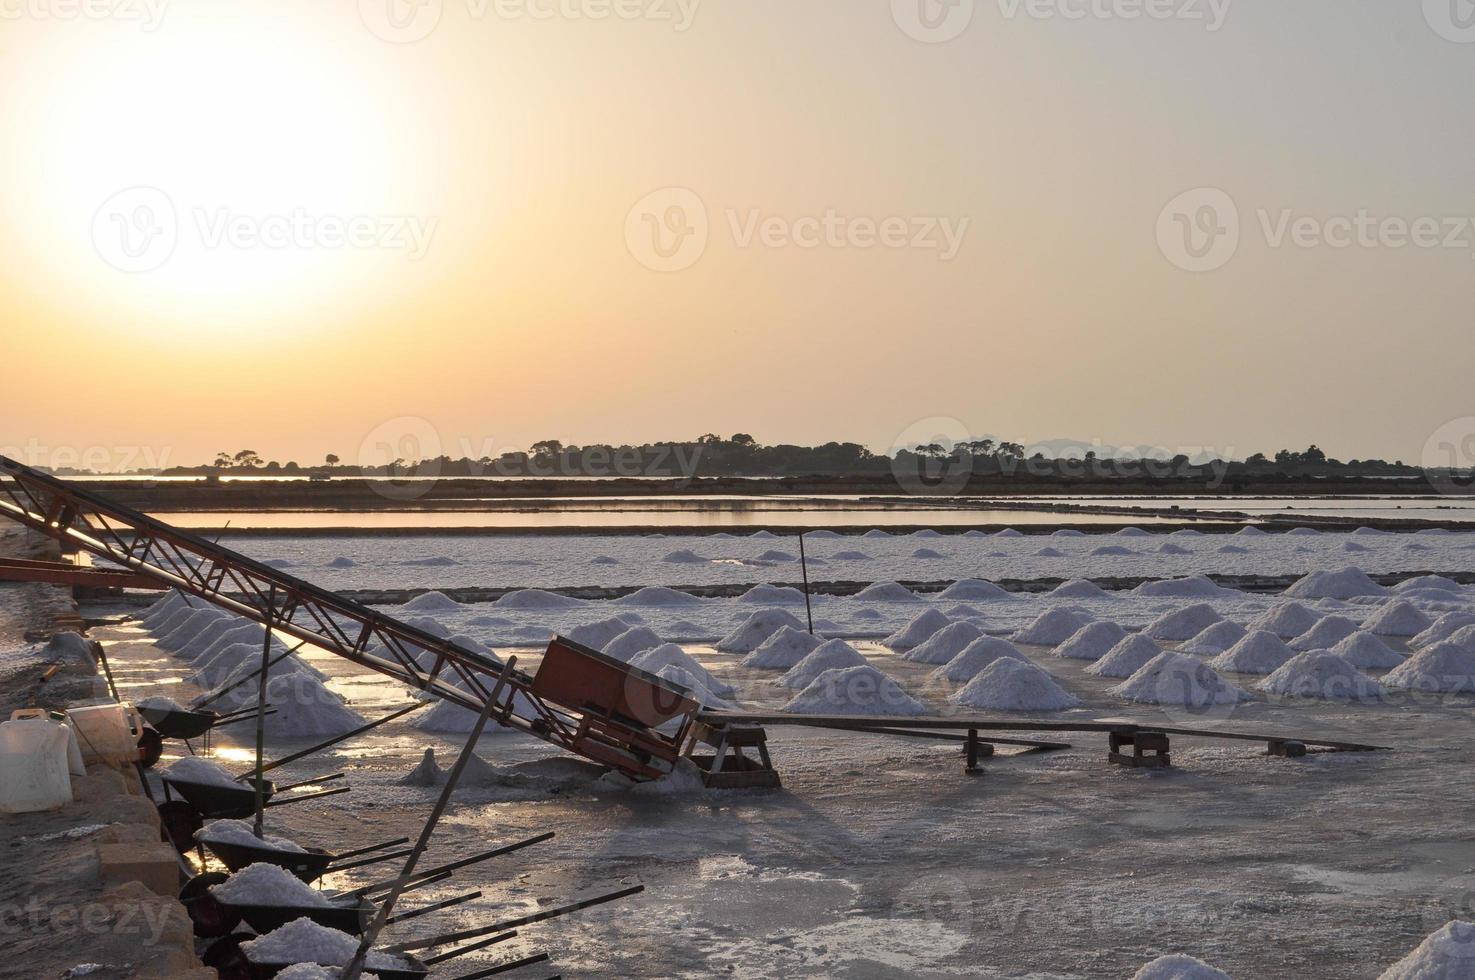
x: 107, y: 733
x: 33, y: 766
x: 74, y: 751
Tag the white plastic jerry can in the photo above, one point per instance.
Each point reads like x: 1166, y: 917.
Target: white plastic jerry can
x: 107, y: 733
x: 33, y: 765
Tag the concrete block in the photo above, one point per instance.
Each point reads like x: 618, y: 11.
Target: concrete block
x: 155, y: 864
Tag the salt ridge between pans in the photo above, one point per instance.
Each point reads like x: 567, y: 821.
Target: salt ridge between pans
x: 1014, y: 685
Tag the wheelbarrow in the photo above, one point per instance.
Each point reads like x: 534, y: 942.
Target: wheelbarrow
x: 182, y: 818
x: 230, y: 962
x: 309, y: 864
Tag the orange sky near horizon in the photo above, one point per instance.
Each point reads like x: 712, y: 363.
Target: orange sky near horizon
x: 295, y: 226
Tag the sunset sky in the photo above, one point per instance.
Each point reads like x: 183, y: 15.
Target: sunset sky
x: 290, y: 225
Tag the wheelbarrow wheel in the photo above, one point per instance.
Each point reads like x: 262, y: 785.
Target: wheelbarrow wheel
x: 225, y: 957
x: 210, y: 918
x: 178, y: 822
x: 150, y: 747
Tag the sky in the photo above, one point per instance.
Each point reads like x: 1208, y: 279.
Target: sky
x: 465, y: 225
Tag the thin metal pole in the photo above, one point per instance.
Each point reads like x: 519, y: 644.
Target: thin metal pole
x: 271, y: 606
x: 335, y: 739
x: 355, y: 966
x: 804, y: 569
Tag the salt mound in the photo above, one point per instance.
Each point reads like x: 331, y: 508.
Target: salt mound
x: 875, y: 532
x: 1398, y: 618
x: 211, y: 635
x: 1365, y: 650
x: 342, y: 561
x: 701, y: 692
x: 156, y: 610
x: 1192, y: 587
x: 670, y: 655
x: 758, y: 627
x: 823, y: 532
x: 1342, y: 583
x: 426, y: 773
x: 1014, y: 685
x: 1250, y: 531
x: 1428, y: 582
x: 866, y: 613
x: 659, y: 595
x: 1132, y: 532
x: 1302, y: 532
x: 973, y: 589
x: 1182, y: 624
x: 772, y: 555
x: 1448, y: 954
x: 311, y: 971
x: 1287, y: 620
x: 943, y: 645
x: 536, y: 599
x: 782, y: 650
x: 1178, y: 966
x: 850, y: 556
x: 1260, y: 652
x: 1009, y: 532
x: 963, y: 611
x: 858, y: 690
x: 1126, y: 658
x: 1186, y: 532
x: 684, y: 556
x: 240, y: 832
x: 451, y: 718
x: 761, y: 533
x: 1463, y: 637
x: 427, y: 625
x: 268, y: 884
x: 771, y: 593
x: 195, y: 769
x: 1321, y: 675
x: 974, y: 532
x: 1442, y: 668
x: 1078, y: 588
x: 636, y: 639
x: 830, y: 655
x: 599, y: 633
x: 1091, y: 642
x: 189, y: 628
x: 431, y: 602
x: 1233, y: 549
x: 1169, y: 548
x: 1353, y: 546
x: 1325, y: 634
x: 1112, y: 549
x: 886, y: 592
x: 919, y: 629
x: 975, y: 657
x: 303, y: 704
x: 304, y: 941
x: 1067, y: 532
x: 1178, y: 679
x: 927, y: 553
x: 1050, y: 628
x: 1443, y: 628
x: 1049, y: 553
x: 157, y: 702
x: 211, y: 672
x: 1214, y: 640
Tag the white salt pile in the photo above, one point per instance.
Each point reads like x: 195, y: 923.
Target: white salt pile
x: 859, y: 690
x: 830, y: 655
x: 973, y: 589
x: 1178, y: 679
x: 206, y: 639
x: 886, y: 592
x: 1214, y: 640
x: 1049, y: 553
x: 875, y: 532
x: 1327, y: 632
x: 427, y: 625
x: 425, y: 773
x: 1078, y: 588
x: 659, y: 595
x: 1126, y: 658
x: 1112, y: 549
x: 1286, y: 620
x: 191, y: 627
x: 1341, y: 583
x: 684, y: 556
x: 537, y: 599
x: 772, y: 555
x: 963, y: 611
x: 1050, y: 628
x: 700, y: 691
x: 1092, y: 641
x: 304, y: 941
x: 450, y: 717
x: 1423, y: 582
x: 1014, y: 685
x: 239, y: 832
x: 850, y: 556
x: 1443, y: 628
x: 1363, y: 649
x: 782, y: 650
x: 598, y: 634
x: 943, y: 645
x: 342, y: 561
x: 919, y: 629
x: 158, y: 610
x: 1192, y: 587
x: 432, y: 602
x: 1260, y: 652
x: 1398, y: 618
x: 1250, y: 531
x: 1447, y: 954
x: 636, y: 639
x: 975, y: 657
x: 1302, y: 532
x: 302, y: 704
x: 1067, y: 532
x: 1179, y: 966
x: 267, y: 884
x: 1232, y: 549
x: 1009, y: 532
x: 670, y: 655
x: 1463, y: 637
x: 765, y: 593
x: 1132, y: 532
x: 194, y: 769
x: 1183, y: 624
x: 927, y: 553
x: 1443, y: 668
x: 1321, y: 675
x: 209, y: 672
x: 1169, y: 548
x: 758, y: 627
x: 823, y: 532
